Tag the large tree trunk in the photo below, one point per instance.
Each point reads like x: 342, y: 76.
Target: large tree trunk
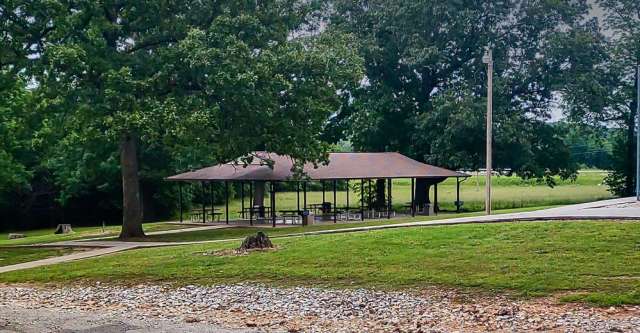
x: 422, y: 192
x: 381, y: 200
x: 258, y: 197
x: 131, y: 201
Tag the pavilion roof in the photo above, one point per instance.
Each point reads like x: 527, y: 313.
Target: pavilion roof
x: 341, y: 166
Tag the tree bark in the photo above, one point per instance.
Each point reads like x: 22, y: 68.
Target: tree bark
x: 422, y: 192
x: 131, y: 201
x: 258, y: 196
x: 381, y: 200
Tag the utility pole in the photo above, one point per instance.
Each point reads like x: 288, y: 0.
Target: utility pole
x: 638, y: 135
x: 488, y: 59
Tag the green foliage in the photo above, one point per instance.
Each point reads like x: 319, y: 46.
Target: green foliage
x: 423, y: 95
x: 14, y: 143
x: 194, y: 83
x: 605, y: 94
x: 591, y: 146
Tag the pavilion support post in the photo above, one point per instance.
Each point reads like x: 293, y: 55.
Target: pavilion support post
x: 251, y: 203
x: 370, y: 197
x: 180, y: 199
x: 213, y: 210
x: 335, y: 202
x: 304, y: 195
x: 362, y: 199
x: 323, y: 191
x: 242, y: 200
x: 347, y: 199
x: 413, y: 198
x: 435, y: 199
x: 457, y: 194
x: 204, y: 203
x: 298, y: 196
x: 273, y: 204
x: 226, y: 201
x: 389, y: 181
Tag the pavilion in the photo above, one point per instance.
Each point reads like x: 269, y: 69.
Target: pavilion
x: 272, y: 168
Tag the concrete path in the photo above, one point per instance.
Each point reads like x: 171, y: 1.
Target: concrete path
x: 615, y: 209
x: 69, y: 257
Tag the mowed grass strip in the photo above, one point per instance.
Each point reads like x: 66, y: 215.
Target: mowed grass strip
x: 591, y: 261
x: 43, y: 236
x: 12, y: 256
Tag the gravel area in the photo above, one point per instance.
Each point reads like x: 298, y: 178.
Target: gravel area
x: 268, y: 309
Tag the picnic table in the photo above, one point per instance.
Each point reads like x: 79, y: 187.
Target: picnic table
x: 292, y: 214
x: 324, y: 208
x: 214, y: 213
x: 255, y: 211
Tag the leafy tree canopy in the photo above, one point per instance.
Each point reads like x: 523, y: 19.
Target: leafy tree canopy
x: 204, y: 81
x: 425, y: 81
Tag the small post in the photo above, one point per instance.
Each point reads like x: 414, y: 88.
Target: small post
x: 361, y: 199
x: 323, y: 191
x: 179, y: 199
x: 226, y: 201
x: 413, y: 198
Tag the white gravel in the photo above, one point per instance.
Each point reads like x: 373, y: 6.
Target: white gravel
x: 319, y: 310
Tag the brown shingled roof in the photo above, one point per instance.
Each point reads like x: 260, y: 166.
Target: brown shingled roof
x: 341, y: 166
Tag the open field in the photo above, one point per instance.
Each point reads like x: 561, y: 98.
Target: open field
x: 598, y: 262
x: 12, y: 256
x: 508, y: 192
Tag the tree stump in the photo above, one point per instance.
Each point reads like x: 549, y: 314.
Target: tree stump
x: 259, y: 241
x: 63, y: 229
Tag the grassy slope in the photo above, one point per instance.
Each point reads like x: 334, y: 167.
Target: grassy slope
x: 508, y: 193
x: 600, y: 260
x: 11, y: 256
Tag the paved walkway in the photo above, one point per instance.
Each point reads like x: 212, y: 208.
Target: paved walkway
x: 615, y: 209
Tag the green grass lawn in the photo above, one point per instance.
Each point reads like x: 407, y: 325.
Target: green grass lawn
x: 42, y: 236
x: 508, y: 193
x: 11, y: 256
x: 589, y: 261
